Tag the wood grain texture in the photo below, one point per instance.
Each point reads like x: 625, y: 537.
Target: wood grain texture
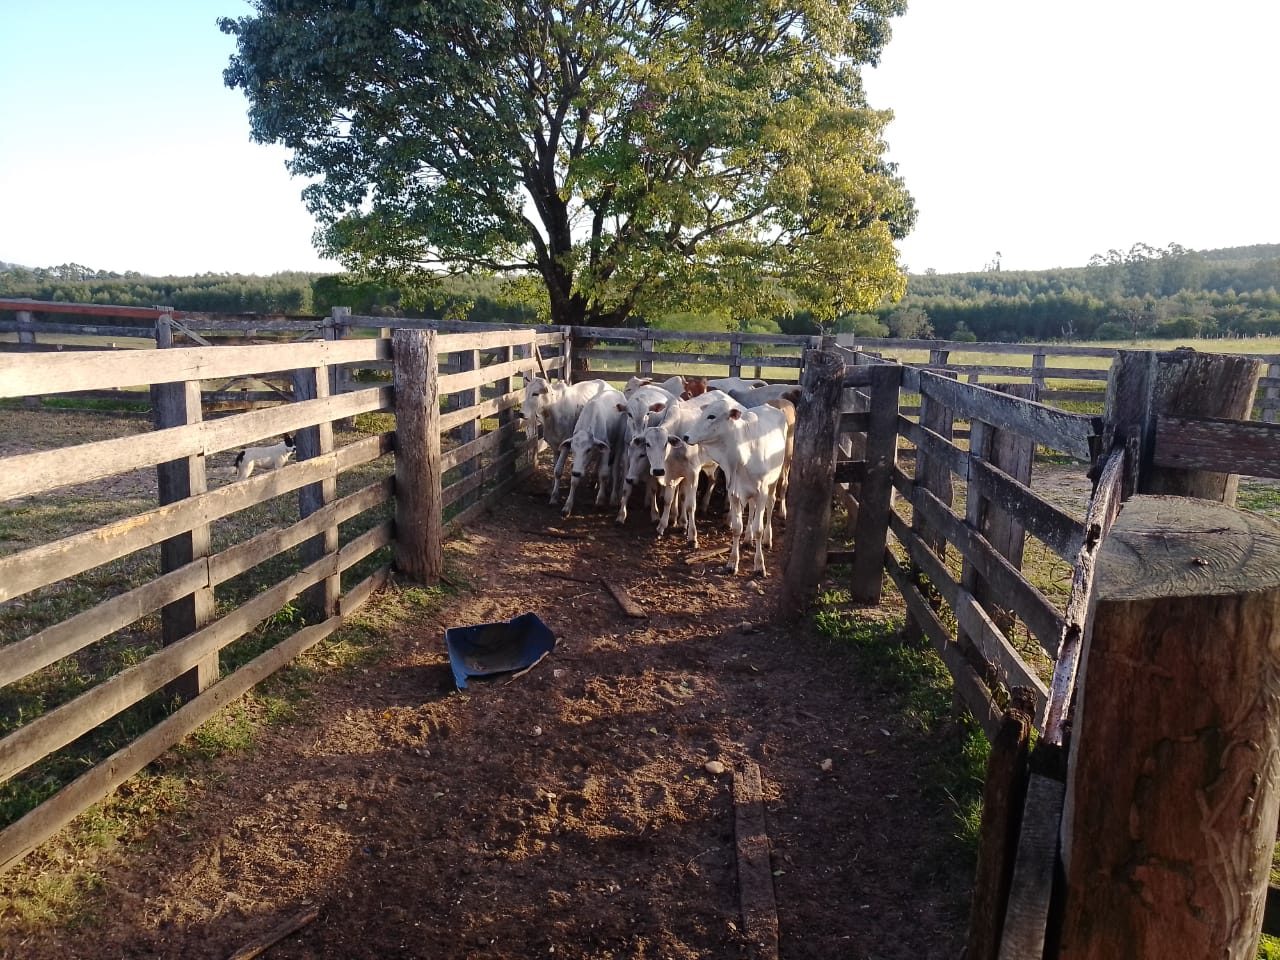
x: 419, y: 503
x: 875, y: 503
x: 127, y: 368
x: 1252, y: 449
x: 812, y: 477
x: 755, y: 871
x: 1172, y: 796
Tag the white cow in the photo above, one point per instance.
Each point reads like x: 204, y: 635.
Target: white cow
x: 750, y: 446
x: 556, y: 406
x: 673, y: 385
x: 725, y: 384
x: 649, y: 403
x: 598, y: 439
x: 757, y: 396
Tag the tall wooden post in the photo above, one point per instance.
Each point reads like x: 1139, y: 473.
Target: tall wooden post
x: 336, y: 326
x: 27, y: 344
x: 645, y: 366
x: 419, y: 549
x: 321, y: 601
x: 735, y: 359
x: 812, y: 478
x: 175, y: 405
x: 871, y: 532
x: 1172, y: 798
x: 1147, y: 384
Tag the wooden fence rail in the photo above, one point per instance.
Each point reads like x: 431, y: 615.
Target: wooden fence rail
x: 334, y: 533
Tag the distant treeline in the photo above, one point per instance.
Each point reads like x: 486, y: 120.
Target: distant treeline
x: 1143, y: 292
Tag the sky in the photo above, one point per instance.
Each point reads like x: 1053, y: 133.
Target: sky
x: 1044, y: 131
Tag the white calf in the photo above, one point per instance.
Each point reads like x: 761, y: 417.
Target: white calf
x: 676, y: 466
x: 750, y: 446
x: 597, y: 439
x: 269, y: 458
x: 556, y: 407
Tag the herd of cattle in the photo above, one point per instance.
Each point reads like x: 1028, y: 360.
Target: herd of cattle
x: 662, y: 437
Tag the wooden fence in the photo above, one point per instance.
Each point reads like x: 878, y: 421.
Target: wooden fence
x: 458, y: 445
x: 121, y: 329
x: 1059, y: 371
x: 1173, y: 425
x: 610, y: 353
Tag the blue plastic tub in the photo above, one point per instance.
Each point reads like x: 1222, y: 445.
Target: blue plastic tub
x: 492, y: 648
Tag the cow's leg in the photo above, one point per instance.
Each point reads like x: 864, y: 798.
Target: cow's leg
x: 711, y: 488
x: 562, y: 458
x: 671, y: 492
x: 652, y: 491
x: 759, y: 524
x: 690, y: 507
x: 784, y: 480
x: 735, y: 533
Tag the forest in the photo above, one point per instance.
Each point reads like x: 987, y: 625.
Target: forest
x: 1142, y: 292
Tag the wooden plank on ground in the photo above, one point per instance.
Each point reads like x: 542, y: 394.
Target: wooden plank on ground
x: 625, y: 601
x: 277, y: 933
x: 755, y: 872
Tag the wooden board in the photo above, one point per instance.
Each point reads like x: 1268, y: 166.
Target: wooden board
x: 755, y: 871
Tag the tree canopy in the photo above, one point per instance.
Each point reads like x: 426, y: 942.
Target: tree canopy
x: 638, y: 156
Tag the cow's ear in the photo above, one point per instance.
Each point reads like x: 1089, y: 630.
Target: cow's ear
x: 686, y: 395
x: 735, y: 413
x: 638, y: 442
x: 566, y: 444
x: 622, y: 408
x: 601, y: 445
x: 658, y: 407
x: 673, y: 441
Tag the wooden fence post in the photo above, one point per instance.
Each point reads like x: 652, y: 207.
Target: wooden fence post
x: 1003, y: 795
x: 1145, y: 384
x: 26, y: 344
x: 1038, y: 362
x: 419, y: 549
x: 735, y: 360
x: 645, y: 367
x: 1271, y: 395
x: 872, y: 529
x: 1172, y: 798
x: 336, y: 327
x: 1013, y: 454
x: 175, y: 405
x: 321, y: 601
x: 578, y: 347
x: 812, y: 478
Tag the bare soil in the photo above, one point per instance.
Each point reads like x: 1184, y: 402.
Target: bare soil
x: 567, y: 812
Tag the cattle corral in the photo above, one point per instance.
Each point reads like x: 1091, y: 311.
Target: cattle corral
x: 951, y: 531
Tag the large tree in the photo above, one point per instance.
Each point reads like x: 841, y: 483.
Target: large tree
x: 637, y: 156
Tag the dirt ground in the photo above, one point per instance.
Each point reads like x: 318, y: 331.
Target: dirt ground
x: 567, y: 812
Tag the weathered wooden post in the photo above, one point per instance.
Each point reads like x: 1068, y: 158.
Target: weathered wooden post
x: 1171, y: 806
x: 174, y: 405
x: 465, y: 361
x: 336, y: 326
x: 812, y: 479
x: 321, y: 601
x: 1003, y: 795
x: 645, y: 366
x: 27, y: 344
x: 874, y: 506
x: 1014, y: 454
x: 1145, y: 385
x: 419, y: 549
